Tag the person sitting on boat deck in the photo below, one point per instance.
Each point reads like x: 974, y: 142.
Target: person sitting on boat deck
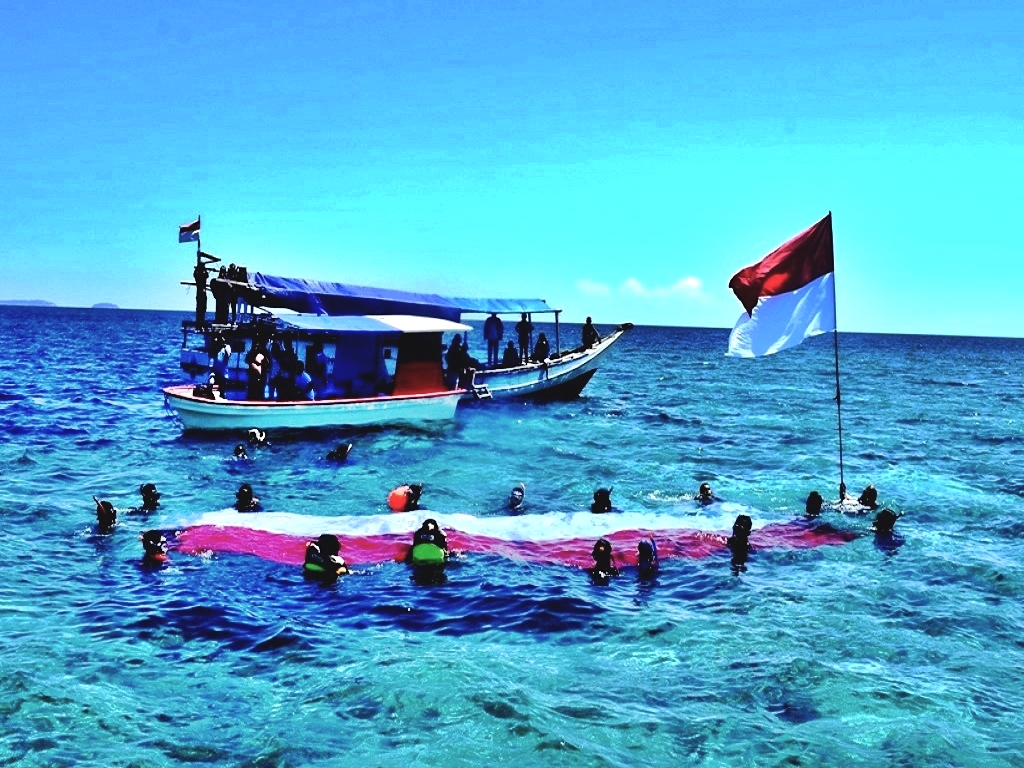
x: 869, y: 497
x: 524, y: 331
x: 323, y: 557
x: 150, y: 498
x: 542, y: 350
x: 340, y: 453
x: 602, y: 500
x: 739, y: 542
x: 430, y: 533
x: 106, y: 516
x: 245, y: 501
x: 258, y: 362
x: 590, y: 334
x: 405, y: 498
x: 604, y: 562
x: 705, y: 495
x: 511, y: 357
x: 154, y: 548
x: 814, y: 504
x: 494, y: 330
x: 647, y: 558
x: 303, y: 383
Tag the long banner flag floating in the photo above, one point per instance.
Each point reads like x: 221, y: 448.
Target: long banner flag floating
x: 556, y: 539
x: 189, y: 233
x: 789, y: 295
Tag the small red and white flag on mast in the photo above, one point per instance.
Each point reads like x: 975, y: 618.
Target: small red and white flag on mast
x: 189, y: 233
x: 789, y: 295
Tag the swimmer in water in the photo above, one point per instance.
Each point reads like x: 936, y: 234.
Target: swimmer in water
x: 323, y: 557
x: 739, y: 542
x: 869, y: 498
x: 705, y: 494
x: 245, y: 501
x: 647, y: 558
x: 886, y: 538
x: 340, y: 453
x: 813, y: 504
x: 150, y: 498
x: 257, y: 437
x: 154, y: 547
x: 405, y: 498
x: 602, y: 501
x: 240, y: 453
x: 516, y: 496
x: 604, y: 563
x: 106, y: 516
x: 430, y: 533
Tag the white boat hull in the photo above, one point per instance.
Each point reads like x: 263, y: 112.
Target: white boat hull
x: 201, y: 413
x: 562, y: 377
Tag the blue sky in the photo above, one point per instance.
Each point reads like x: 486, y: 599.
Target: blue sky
x: 620, y: 160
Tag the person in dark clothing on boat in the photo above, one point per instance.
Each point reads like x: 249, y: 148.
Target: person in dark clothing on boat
x: 542, y: 351
x: 221, y: 297
x: 316, y: 366
x: 590, y: 334
x: 511, y: 357
x: 200, y: 275
x: 258, y: 362
x: 524, y: 331
x: 245, y: 501
x: 494, y: 330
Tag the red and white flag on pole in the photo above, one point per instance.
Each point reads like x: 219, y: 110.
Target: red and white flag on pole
x: 789, y: 295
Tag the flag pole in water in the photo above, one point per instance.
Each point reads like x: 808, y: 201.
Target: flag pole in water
x: 839, y: 397
x: 789, y: 296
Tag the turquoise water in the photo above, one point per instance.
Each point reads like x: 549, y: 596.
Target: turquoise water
x: 840, y: 655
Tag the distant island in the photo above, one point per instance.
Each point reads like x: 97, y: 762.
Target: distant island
x: 41, y: 303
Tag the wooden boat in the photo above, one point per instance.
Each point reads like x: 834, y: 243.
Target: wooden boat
x: 377, y: 370
x: 381, y: 353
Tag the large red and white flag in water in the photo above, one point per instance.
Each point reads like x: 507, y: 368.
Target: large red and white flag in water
x: 789, y: 295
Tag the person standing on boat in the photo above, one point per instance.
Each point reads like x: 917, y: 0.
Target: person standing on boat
x: 200, y: 274
x: 494, y: 330
x: 524, y: 330
x: 590, y: 334
x: 259, y: 364
x: 221, y: 361
x: 316, y: 365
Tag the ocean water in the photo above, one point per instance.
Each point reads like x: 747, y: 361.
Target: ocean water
x: 846, y: 654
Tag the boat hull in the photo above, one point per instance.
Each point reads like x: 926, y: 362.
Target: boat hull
x: 203, y: 414
x: 561, y: 378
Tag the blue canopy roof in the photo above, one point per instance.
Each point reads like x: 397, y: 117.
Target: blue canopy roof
x: 371, y: 323
x: 324, y: 298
